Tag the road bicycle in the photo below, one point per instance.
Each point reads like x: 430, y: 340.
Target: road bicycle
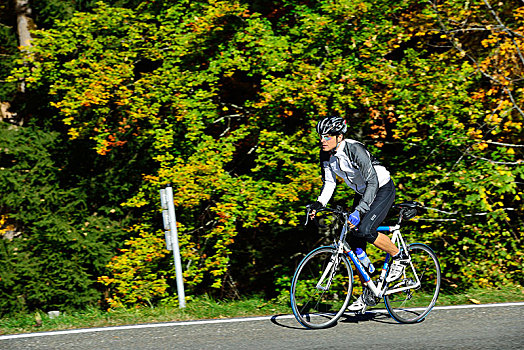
x: 322, y: 285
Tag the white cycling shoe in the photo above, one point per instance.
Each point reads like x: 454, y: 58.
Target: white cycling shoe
x: 363, y: 301
x: 397, y: 268
x: 359, y: 305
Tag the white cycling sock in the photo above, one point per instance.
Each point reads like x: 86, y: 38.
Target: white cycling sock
x: 400, y: 255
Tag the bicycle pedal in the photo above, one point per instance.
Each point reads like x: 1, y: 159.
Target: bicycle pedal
x: 362, y: 312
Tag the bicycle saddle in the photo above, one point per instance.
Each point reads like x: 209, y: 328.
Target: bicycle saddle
x: 408, y: 210
x: 408, y: 205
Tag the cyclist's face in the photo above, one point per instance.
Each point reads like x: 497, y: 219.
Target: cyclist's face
x: 328, y: 142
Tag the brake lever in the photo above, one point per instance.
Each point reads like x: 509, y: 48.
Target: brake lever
x: 307, y: 215
x: 315, y: 220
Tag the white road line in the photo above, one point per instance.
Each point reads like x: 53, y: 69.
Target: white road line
x: 232, y: 320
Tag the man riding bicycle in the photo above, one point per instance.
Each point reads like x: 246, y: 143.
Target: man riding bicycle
x: 375, y: 192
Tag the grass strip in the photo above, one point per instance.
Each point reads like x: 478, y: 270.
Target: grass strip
x: 208, y: 308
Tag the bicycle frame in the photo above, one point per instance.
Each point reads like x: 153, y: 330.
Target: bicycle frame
x: 380, y: 288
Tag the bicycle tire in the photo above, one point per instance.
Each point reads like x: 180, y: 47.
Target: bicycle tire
x: 315, y: 308
x: 413, y: 305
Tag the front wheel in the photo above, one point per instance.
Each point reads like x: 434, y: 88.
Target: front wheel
x: 321, y: 288
x: 410, y: 299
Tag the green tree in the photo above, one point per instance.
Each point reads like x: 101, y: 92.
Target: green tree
x: 53, y: 245
x: 220, y: 98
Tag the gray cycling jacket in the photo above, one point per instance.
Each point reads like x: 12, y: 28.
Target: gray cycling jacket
x: 357, y: 167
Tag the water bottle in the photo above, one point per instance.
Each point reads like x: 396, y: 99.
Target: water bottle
x: 364, y: 259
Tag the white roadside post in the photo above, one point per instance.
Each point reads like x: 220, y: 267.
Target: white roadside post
x: 171, y: 233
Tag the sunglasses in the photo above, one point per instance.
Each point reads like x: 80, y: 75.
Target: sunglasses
x: 326, y: 137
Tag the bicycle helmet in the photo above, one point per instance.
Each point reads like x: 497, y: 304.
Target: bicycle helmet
x: 332, y: 126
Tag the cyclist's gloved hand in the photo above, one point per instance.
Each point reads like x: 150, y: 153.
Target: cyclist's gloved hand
x: 354, y: 218
x: 315, y: 206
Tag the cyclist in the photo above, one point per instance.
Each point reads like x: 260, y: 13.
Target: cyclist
x: 375, y: 193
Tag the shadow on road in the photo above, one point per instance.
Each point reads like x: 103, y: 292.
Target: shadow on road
x: 275, y: 321
x: 368, y: 316
x: 345, y: 318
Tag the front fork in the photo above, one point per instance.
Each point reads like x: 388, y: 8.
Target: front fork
x: 332, y: 266
x: 330, y: 270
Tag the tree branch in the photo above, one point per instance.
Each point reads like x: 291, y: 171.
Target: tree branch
x: 503, y: 144
x: 511, y: 33
x: 496, y: 162
x: 457, y: 212
x: 508, y: 91
x: 458, y: 47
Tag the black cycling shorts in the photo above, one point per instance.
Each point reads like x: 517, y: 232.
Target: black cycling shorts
x: 367, y: 230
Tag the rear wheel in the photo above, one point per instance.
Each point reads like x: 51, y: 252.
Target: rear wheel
x: 411, y: 305
x: 321, y: 288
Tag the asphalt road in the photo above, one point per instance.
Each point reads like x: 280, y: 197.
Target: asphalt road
x: 499, y: 326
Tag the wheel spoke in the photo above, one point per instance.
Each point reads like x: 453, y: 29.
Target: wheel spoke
x: 321, y: 307
x: 413, y: 305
